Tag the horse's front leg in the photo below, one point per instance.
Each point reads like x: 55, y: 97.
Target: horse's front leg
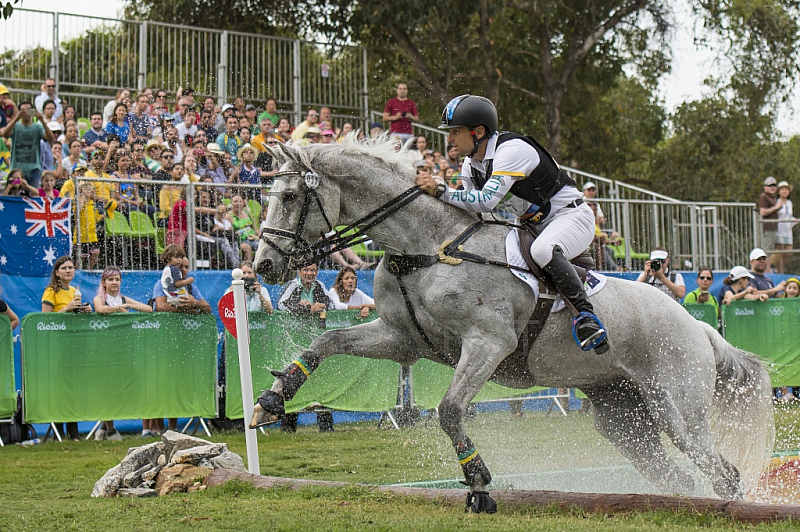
x: 480, y: 356
x: 371, y: 340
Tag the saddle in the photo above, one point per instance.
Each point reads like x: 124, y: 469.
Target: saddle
x: 516, y: 363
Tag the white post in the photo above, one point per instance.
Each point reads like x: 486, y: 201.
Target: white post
x: 243, y: 339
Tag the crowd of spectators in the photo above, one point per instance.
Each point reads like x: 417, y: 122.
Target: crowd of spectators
x: 141, y: 149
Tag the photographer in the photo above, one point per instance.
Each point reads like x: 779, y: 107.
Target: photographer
x: 657, y: 273
x: 257, y: 296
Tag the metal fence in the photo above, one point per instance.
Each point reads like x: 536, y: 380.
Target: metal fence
x: 91, y: 58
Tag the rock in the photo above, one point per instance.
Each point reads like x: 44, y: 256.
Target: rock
x: 228, y: 460
x: 195, y: 455
x: 151, y: 473
x: 137, y: 492
x: 205, y: 463
x: 137, y: 458
x: 108, y: 484
x: 179, y: 478
x: 175, y: 441
x: 135, y: 478
x: 162, y: 460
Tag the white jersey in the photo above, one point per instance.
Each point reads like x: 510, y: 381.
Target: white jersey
x: 357, y: 299
x: 512, y: 161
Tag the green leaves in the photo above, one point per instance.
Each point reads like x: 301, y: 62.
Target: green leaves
x: 8, y: 8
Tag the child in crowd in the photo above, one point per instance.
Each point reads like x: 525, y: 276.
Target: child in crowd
x: 48, y: 189
x: 87, y: 225
x: 172, y: 280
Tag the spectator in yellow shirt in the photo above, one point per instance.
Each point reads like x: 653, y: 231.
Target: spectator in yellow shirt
x: 103, y: 192
x: 170, y: 194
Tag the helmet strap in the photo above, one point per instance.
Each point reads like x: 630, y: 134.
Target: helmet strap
x: 476, y: 142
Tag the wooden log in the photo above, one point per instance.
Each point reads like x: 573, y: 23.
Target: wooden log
x: 748, y: 512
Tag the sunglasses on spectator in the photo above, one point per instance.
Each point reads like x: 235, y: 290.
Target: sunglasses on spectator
x: 273, y: 143
x: 167, y: 156
x: 50, y: 86
x: 772, y: 185
x: 705, y: 278
x: 313, y: 116
x: 137, y: 150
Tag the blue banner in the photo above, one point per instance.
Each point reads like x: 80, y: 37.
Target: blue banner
x: 34, y: 232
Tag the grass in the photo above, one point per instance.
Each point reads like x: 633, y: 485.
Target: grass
x: 47, y: 487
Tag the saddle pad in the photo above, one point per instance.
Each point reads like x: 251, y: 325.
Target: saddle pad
x: 594, y: 281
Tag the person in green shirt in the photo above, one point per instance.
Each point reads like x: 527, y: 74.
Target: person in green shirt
x: 271, y: 112
x: 701, y: 295
x: 26, y: 136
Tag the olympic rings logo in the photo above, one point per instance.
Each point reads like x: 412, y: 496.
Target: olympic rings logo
x: 698, y: 314
x: 191, y: 325
x: 98, y: 325
x: 776, y: 311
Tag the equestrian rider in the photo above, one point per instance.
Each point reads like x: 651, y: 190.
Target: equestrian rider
x: 517, y: 172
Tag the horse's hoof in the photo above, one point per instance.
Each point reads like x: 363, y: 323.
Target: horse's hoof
x: 261, y: 417
x: 479, y: 502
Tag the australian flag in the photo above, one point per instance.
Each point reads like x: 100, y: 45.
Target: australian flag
x: 34, y: 232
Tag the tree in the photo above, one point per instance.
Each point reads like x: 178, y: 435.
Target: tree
x: 7, y: 8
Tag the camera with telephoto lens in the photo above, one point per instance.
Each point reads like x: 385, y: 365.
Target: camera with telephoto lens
x: 249, y: 283
x: 656, y: 264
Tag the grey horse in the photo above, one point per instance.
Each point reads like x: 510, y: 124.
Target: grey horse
x: 665, y: 372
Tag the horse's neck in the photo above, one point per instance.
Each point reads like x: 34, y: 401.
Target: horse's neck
x: 416, y: 229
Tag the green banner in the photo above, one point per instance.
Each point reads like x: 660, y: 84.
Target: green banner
x: 768, y: 329
x: 431, y: 381
x: 8, y: 397
x: 86, y: 367
x: 342, y: 382
x: 703, y: 312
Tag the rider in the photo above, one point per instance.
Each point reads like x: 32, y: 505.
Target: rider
x: 515, y: 170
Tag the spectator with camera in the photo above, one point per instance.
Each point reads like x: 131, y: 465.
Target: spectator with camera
x: 401, y: 112
x: 26, y: 142
x: 657, y: 274
x: 16, y: 185
x: 701, y: 295
x: 758, y: 279
x: 257, y: 297
x: 312, y: 119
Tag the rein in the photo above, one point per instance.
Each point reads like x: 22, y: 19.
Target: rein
x: 302, y: 252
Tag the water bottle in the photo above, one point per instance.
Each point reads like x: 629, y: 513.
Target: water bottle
x: 78, y: 297
x: 322, y: 316
x: 28, y: 443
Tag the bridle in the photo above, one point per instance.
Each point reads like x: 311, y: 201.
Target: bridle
x: 301, y: 252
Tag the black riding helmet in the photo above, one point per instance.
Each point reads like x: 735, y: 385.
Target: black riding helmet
x: 470, y: 111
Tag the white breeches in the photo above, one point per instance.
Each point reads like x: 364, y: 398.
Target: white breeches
x: 570, y: 229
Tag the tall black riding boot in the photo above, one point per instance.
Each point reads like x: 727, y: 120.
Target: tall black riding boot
x: 563, y: 275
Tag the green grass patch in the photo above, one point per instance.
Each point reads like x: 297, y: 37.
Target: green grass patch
x: 48, y: 486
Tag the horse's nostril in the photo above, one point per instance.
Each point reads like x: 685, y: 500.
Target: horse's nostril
x: 264, y: 266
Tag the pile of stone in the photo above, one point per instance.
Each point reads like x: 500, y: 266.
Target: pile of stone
x: 177, y: 463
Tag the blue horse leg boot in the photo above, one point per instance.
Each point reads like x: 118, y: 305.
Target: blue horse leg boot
x: 588, y: 331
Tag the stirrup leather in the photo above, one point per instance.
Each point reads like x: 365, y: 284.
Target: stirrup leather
x: 596, y: 338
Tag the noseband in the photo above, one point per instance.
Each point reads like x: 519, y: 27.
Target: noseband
x: 301, y: 252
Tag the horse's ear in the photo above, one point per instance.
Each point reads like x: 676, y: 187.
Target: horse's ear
x: 282, y: 153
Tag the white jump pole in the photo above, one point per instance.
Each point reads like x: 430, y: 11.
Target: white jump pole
x: 243, y: 339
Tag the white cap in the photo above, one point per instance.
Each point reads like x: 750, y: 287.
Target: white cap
x: 659, y: 254
x: 54, y: 126
x: 738, y: 272
x: 588, y: 185
x: 783, y: 184
x: 757, y: 254
x: 226, y: 107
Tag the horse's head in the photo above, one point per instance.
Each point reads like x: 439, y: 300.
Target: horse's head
x: 303, y: 206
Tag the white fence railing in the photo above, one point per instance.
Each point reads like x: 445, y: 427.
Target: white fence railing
x: 91, y: 58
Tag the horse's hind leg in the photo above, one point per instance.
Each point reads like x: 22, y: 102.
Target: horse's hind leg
x: 623, y: 417
x: 372, y: 340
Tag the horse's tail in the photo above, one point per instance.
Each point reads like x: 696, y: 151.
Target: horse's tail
x: 742, y: 418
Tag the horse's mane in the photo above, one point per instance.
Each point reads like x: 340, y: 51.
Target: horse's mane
x: 381, y: 148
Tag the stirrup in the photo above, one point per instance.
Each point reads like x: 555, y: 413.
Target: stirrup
x: 596, y: 338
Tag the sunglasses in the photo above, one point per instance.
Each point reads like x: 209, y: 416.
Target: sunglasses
x: 705, y: 278
x: 272, y: 143
x: 167, y: 156
x: 313, y: 116
x: 772, y: 185
x: 50, y: 86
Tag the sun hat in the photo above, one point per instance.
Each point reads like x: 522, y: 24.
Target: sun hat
x: 659, y: 254
x: 151, y: 143
x: 313, y: 130
x: 757, y: 253
x: 784, y: 184
x: 214, y: 148
x: 738, y: 272
x: 246, y: 147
